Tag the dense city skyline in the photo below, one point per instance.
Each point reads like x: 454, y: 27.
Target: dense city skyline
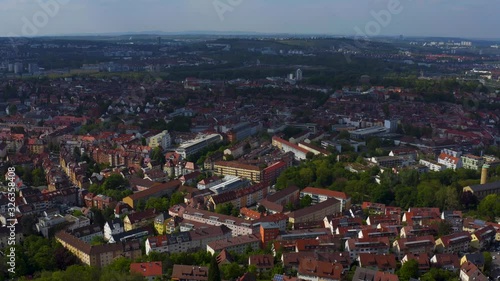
x: 458, y: 18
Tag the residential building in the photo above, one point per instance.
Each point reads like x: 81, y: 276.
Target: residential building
x: 483, y: 190
x: 113, y: 227
x: 313, y: 270
x: 483, y: 237
x: 476, y: 258
x: 87, y: 233
x: 289, y: 195
x: 138, y: 219
x: 235, y: 168
x: 98, y: 255
x: 417, y: 230
x: 454, y: 243
x: 355, y: 246
x: 160, y: 222
x: 229, y: 183
x: 194, y: 146
x: 449, y: 262
x: 423, y: 261
x: 316, y: 212
x: 134, y: 234
x: 268, y: 232
x: 415, y: 245
x: 186, y: 241
x: 450, y: 159
x: 432, y: 165
x: 158, y: 190
x: 189, y: 273
x: 366, y: 274
x: 209, y: 182
x: 237, y: 244
x: 261, y: 262
x: 279, y: 219
x: 271, y: 173
x: 385, y: 263
x: 470, y: 272
x: 149, y: 270
x: 473, y: 162
x: 320, y: 195
x: 286, y: 146
x: 162, y: 140
x: 243, y: 130
x: 387, y: 161
x: 364, y: 133
x: 243, y: 197
x: 238, y: 226
x: 454, y: 218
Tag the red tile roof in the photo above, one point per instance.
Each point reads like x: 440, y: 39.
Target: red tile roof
x: 147, y: 269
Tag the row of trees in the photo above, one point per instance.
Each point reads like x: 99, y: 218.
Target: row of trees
x: 31, y: 177
x: 36, y: 254
x: 114, y: 186
x: 406, y: 189
x: 161, y: 204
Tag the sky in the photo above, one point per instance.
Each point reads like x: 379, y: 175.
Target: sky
x: 446, y: 18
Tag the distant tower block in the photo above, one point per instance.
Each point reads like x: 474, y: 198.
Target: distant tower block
x: 484, y: 173
x: 298, y: 75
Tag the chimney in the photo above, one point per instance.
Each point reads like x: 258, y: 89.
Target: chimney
x: 484, y: 173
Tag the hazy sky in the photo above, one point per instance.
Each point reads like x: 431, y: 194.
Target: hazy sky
x: 463, y: 18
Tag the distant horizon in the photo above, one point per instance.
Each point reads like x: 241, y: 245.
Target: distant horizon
x: 245, y: 33
x: 414, y: 18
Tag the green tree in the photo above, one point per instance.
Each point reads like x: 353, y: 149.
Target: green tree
x: 44, y: 258
x: 305, y: 201
x: 225, y: 209
x: 232, y: 271
x: 309, y: 155
x: 444, y: 228
x: 408, y: 270
x: 97, y: 240
x: 176, y: 198
x: 261, y: 209
x: 115, y: 182
x: 157, y: 155
x: 439, y: 275
x: 161, y: 204
x: 121, y: 264
x: 12, y: 109
x: 213, y: 270
x: 488, y: 262
x: 489, y: 207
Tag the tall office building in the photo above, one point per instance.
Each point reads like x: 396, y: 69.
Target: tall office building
x: 298, y: 75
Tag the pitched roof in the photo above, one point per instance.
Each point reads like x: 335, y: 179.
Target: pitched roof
x: 188, y: 272
x: 325, y: 192
x: 311, y: 267
x: 282, y: 193
x: 382, y: 262
x: 473, y: 272
x: 155, y: 189
x: 313, y: 208
x: 147, y: 269
x: 486, y: 186
x: 454, y: 238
